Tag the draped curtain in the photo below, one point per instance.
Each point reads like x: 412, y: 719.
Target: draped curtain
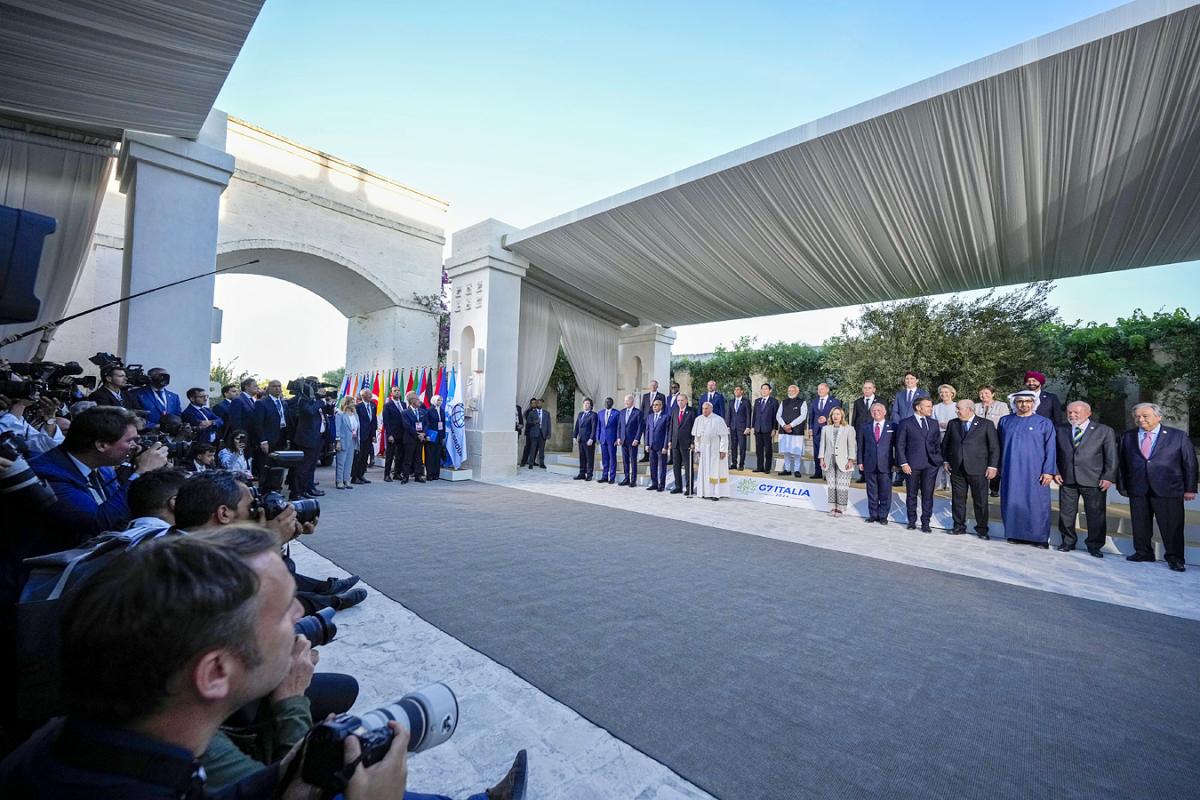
x: 537, y: 344
x: 66, y: 180
x: 591, y: 347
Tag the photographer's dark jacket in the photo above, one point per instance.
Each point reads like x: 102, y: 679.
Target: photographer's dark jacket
x: 78, y: 514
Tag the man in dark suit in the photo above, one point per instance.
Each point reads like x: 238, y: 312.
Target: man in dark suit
x: 585, y: 435
x: 156, y: 399
x: 764, y: 425
x: 818, y: 415
x: 368, y: 415
x: 270, y: 424
x: 711, y: 395
x: 537, y: 431
x: 112, y: 391
x: 1087, y: 467
x: 679, y: 441
x: 204, y: 422
x: 412, y: 421
x: 971, y: 451
x: 860, y: 415
x: 393, y: 432
x: 920, y: 457
x: 308, y: 438
x: 630, y: 425
x: 658, y: 428
x: 607, y: 434
x: 245, y: 401
x: 229, y: 412
x: 435, y: 437
x: 903, y: 404
x: 877, y: 457
x: 737, y: 417
x: 646, y: 404
x: 1158, y: 474
x: 1047, y: 405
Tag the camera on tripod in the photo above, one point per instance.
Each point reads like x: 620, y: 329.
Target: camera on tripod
x: 430, y: 715
x: 135, y: 374
x: 268, y: 495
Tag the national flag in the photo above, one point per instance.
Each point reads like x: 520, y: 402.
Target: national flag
x: 409, y: 387
x: 456, y: 447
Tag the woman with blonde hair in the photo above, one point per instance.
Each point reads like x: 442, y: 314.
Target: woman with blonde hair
x: 943, y: 412
x: 838, y: 453
x: 346, y: 443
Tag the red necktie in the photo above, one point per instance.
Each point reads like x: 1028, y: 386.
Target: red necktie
x: 877, y: 431
x: 681, y: 416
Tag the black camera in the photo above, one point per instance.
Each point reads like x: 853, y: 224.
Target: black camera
x: 268, y: 495
x: 318, y: 628
x: 18, y: 483
x: 175, y: 449
x: 135, y: 374
x: 430, y: 715
x: 46, y: 379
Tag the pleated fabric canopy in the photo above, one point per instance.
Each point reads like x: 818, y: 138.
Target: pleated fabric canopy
x: 106, y: 67
x: 1072, y: 154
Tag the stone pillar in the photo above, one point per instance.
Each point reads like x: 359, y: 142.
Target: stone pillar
x: 484, y: 316
x: 391, y: 337
x: 647, y: 346
x: 174, y: 190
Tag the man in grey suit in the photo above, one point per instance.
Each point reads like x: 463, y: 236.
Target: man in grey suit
x: 1087, y: 466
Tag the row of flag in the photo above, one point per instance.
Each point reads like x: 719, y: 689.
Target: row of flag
x: 426, y: 382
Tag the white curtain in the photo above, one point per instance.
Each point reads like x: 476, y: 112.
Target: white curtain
x: 537, y: 344
x: 591, y: 347
x: 63, y: 179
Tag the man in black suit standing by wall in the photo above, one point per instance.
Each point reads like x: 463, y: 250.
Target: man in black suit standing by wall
x: 367, y: 425
x: 971, y: 450
x: 1087, y: 467
x: 679, y: 441
x: 764, y: 424
x: 919, y: 453
x: 537, y: 431
x: 1158, y: 474
x: 737, y: 417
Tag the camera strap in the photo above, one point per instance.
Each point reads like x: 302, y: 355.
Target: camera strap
x: 339, y: 780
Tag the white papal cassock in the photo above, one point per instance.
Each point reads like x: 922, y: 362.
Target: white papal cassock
x: 711, y: 438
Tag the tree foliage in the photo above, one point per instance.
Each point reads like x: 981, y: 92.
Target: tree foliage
x: 966, y: 343
x: 334, y: 376
x: 562, y: 380
x: 781, y: 362
x: 222, y: 374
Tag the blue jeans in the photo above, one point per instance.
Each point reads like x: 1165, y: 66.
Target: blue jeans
x: 343, y: 462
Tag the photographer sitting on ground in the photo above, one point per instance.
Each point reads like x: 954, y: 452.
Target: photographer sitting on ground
x: 218, y: 497
x: 204, y: 631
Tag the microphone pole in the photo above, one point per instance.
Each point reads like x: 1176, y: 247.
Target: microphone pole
x: 49, y: 326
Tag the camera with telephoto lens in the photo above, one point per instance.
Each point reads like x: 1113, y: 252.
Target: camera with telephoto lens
x: 18, y: 483
x: 268, y: 495
x: 36, y: 379
x: 135, y: 374
x: 176, y: 450
x: 430, y: 714
x: 318, y: 628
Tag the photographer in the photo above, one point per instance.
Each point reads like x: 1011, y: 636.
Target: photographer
x: 234, y: 454
x: 307, y: 437
x: 156, y: 399
x: 45, y: 435
x: 152, y: 500
x: 112, y: 391
x: 204, y: 632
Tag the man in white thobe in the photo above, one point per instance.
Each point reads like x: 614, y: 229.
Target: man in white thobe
x: 710, y: 440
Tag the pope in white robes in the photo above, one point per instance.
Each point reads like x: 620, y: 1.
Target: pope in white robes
x: 710, y: 439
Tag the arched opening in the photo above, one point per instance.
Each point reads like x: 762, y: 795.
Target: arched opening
x: 636, y: 375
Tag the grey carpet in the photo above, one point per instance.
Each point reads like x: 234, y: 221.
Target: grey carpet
x: 764, y: 669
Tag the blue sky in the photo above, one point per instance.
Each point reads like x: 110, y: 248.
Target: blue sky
x: 521, y: 111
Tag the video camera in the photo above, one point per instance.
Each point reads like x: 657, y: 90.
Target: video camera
x: 430, y: 715
x: 37, y: 379
x: 135, y: 375
x: 307, y: 387
x: 268, y: 495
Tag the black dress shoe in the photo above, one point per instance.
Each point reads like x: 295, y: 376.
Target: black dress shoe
x: 577, y: 478
x: 926, y: 529
x: 912, y: 526
x: 785, y: 472
x: 587, y: 477
x: 419, y: 479
x: 541, y: 466
x: 993, y: 494
x: 652, y: 488
x: 363, y: 480
x: 340, y: 585
x: 883, y: 522
x: 512, y: 785
x: 1177, y: 566
x: 871, y: 519
x: 1095, y: 553
x: 404, y: 480
x: 957, y: 532
x: 531, y: 466
x: 984, y: 536
x: 1140, y: 557
x: 624, y: 482
x: 387, y: 478
x: 348, y: 599
x: 315, y: 493
x: 1062, y: 548
x: 662, y: 488
x: 677, y: 491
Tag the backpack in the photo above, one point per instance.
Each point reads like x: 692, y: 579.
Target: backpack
x: 53, y: 579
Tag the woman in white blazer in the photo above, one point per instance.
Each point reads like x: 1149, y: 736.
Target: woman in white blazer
x: 838, y: 454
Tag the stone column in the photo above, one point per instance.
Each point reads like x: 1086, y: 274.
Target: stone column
x: 174, y: 190
x: 484, y: 316
x: 391, y: 337
x: 649, y: 345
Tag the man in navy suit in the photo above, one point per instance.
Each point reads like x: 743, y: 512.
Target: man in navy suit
x: 204, y: 422
x: 412, y: 422
x: 629, y: 435
x: 244, y: 401
x: 1048, y: 405
x: 679, y: 441
x: 585, y: 435
x: 269, y: 427
x: 764, y: 424
x: 435, y: 437
x: 657, y: 430
x: 367, y: 426
x: 647, y: 404
x: 1158, y: 474
x: 860, y: 414
x: 877, y: 457
x: 737, y: 417
x: 607, y: 434
x: 537, y: 432
x: 818, y: 415
x: 229, y: 412
x: 713, y: 396
x: 156, y: 399
x: 903, y: 404
x: 393, y: 433
x: 919, y: 452
x: 309, y: 439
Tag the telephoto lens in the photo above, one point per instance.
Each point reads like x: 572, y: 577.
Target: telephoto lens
x: 430, y: 714
x: 306, y: 510
x: 318, y: 628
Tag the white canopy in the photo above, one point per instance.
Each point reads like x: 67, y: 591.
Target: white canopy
x: 1072, y: 154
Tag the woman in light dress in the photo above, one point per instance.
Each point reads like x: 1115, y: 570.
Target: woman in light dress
x: 838, y: 454
x: 347, y: 442
x: 943, y: 412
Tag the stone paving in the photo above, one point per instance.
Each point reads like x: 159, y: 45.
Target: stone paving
x: 390, y: 650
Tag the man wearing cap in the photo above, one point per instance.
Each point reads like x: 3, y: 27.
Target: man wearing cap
x: 1028, y: 463
x: 1045, y: 404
